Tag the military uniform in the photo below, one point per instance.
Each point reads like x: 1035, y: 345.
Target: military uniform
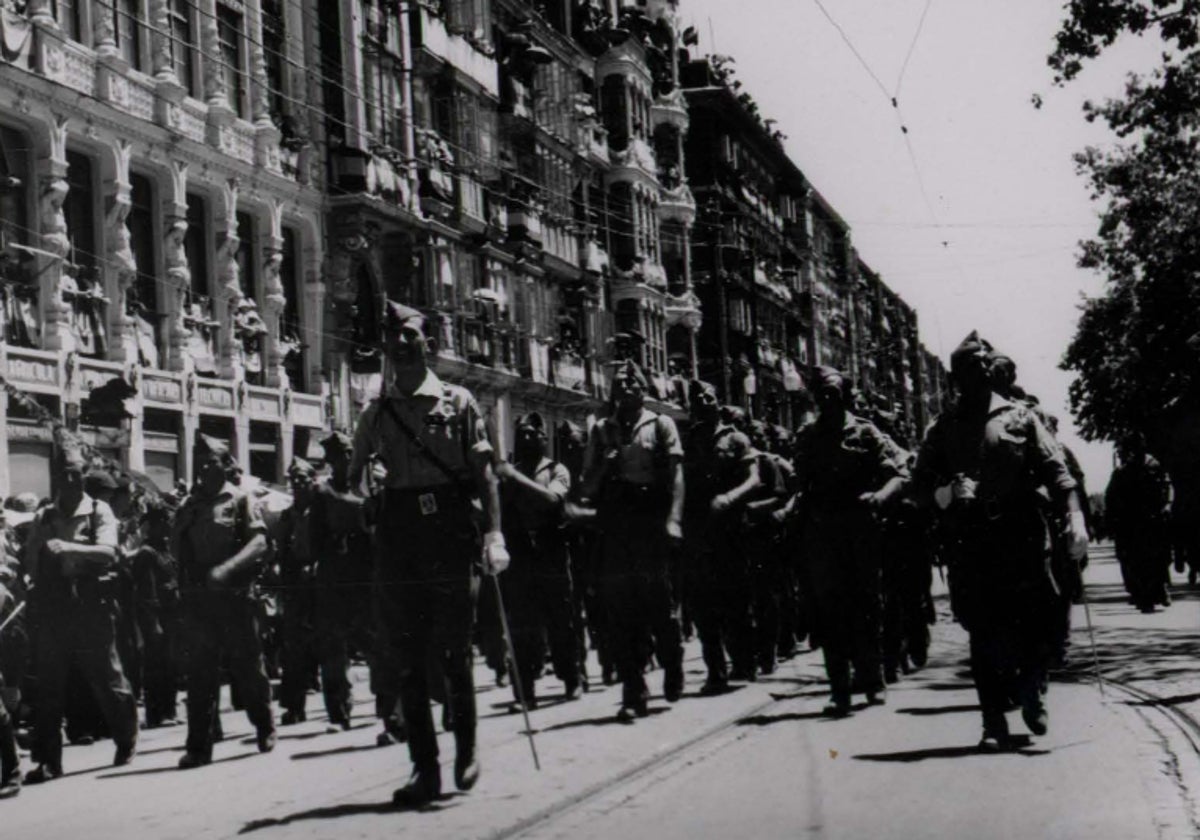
x: 221, y: 624
x: 298, y: 603
x: 841, y: 546
x: 76, y: 622
x: 718, y: 458
x: 426, y: 578
x: 537, y: 585
x: 342, y: 549
x: 998, y: 544
x: 633, y: 504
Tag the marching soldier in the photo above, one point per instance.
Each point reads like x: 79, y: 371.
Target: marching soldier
x: 982, y: 464
x: 537, y: 585
x: 845, y: 472
x: 298, y: 602
x: 72, y: 555
x: 157, y: 582
x: 219, y: 541
x: 342, y: 549
x: 435, y: 445
x: 721, y: 472
x: 11, y: 665
x: 634, y: 472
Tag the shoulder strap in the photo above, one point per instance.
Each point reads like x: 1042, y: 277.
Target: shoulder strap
x: 418, y: 444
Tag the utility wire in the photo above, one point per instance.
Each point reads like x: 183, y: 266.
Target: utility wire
x: 911, y: 47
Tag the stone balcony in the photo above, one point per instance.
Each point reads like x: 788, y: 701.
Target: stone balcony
x: 670, y: 109
x: 677, y: 205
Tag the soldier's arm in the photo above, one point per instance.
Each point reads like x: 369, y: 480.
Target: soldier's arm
x: 483, y: 456
x: 594, y: 465
x: 547, y: 497
x: 364, y: 446
x: 101, y: 555
x: 242, y: 564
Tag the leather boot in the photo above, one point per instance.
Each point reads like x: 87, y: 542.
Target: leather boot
x: 424, y: 786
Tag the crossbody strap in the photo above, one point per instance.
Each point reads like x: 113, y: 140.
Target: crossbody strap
x: 423, y: 450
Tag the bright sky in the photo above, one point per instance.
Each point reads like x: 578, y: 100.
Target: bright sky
x: 985, y: 236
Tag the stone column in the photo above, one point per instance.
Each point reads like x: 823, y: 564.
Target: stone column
x: 178, y: 273
x: 266, y: 134
x: 52, y: 192
x: 229, y: 286
x: 120, y: 266
x: 273, y: 300
x: 221, y: 113
x: 104, y: 29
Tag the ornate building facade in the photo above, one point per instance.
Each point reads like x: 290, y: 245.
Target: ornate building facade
x: 161, y: 222
x: 780, y: 284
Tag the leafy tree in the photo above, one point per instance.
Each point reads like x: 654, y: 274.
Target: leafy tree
x: 1136, y: 351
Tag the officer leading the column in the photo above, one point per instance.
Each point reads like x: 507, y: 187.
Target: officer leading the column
x: 436, y: 448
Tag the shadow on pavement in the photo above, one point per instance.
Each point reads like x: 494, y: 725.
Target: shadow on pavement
x: 607, y: 720
x: 1176, y: 700
x: 1132, y: 652
x: 910, y: 756
x: 925, y: 711
x: 171, y: 768
x: 349, y: 809
x: 768, y: 720
x: 352, y: 748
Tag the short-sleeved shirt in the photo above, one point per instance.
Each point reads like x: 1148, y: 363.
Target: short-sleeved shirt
x: 208, y: 531
x: 1008, y: 452
x: 533, y: 517
x: 834, y: 466
x: 91, y: 523
x: 644, y: 455
x: 448, y: 423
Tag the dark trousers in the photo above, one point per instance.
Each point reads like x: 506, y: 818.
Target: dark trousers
x: 83, y: 633
x: 343, y: 620
x: 223, y: 624
x: 161, y: 675
x: 638, y: 599
x: 721, y: 606
x: 298, y: 654
x: 842, y: 551
x: 767, y: 583
x: 1011, y: 643
x: 426, y: 586
x: 9, y: 758
x: 537, y: 590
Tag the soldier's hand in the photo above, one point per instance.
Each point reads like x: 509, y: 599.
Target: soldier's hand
x: 720, y: 503
x: 1078, y: 536
x: 495, y: 553
x: 216, y: 578
x: 54, y: 546
x: 871, y: 500
x: 674, y: 532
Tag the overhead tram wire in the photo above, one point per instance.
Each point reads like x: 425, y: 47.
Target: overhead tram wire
x: 911, y: 48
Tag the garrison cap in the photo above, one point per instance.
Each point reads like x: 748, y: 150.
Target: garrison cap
x: 698, y: 388
x: 829, y: 378
x: 971, y: 346
x: 337, y: 442
x: 210, y: 445
x: 396, y: 315
x: 301, y: 469
x: 629, y: 369
x: 99, y: 480
x: 532, y: 421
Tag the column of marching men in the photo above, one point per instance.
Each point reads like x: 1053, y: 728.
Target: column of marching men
x: 404, y: 544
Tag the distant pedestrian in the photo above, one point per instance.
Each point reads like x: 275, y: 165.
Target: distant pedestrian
x: 1138, y: 505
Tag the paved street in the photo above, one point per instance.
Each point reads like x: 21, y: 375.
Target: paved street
x: 757, y: 762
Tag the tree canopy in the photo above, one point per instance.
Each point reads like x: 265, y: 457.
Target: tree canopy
x: 1137, y: 346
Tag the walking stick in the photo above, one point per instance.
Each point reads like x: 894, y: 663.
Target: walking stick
x: 518, y: 686
x: 12, y: 616
x: 1087, y: 611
